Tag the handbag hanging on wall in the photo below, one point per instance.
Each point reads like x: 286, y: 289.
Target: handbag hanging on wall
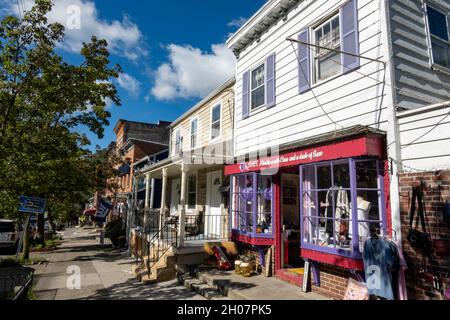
x: 418, y: 239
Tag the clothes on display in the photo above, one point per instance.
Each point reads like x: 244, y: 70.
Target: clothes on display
x: 381, y: 266
x: 342, y: 211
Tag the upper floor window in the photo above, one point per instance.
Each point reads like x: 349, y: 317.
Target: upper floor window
x: 326, y: 62
x: 194, y: 133
x: 439, y: 32
x: 257, y: 87
x: 178, y: 141
x: 216, y: 119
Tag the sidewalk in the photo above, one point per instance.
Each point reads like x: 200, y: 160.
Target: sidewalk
x: 105, y: 273
x: 259, y: 287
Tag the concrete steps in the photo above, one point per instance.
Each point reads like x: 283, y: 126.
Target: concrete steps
x: 202, y: 288
x: 162, y: 269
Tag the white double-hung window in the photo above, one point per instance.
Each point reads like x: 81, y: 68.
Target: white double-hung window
x: 194, y: 133
x: 216, y: 121
x: 258, y: 84
x: 178, y: 141
x: 327, y: 63
x: 439, y: 36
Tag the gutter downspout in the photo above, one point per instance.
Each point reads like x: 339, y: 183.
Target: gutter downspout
x: 394, y: 151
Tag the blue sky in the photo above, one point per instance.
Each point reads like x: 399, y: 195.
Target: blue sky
x: 172, y: 52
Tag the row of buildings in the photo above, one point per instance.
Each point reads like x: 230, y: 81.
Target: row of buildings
x: 336, y: 110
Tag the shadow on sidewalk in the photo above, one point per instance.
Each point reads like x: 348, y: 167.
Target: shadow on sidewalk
x: 134, y: 290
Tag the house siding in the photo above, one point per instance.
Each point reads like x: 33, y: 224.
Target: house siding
x: 203, y: 114
x: 425, y: 140
x: 348, y: 100
x: 417, y: 84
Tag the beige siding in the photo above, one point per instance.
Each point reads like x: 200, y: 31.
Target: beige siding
x: 203, y: 114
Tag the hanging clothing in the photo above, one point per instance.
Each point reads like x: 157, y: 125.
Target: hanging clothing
x: 380, y: 262
x: 342, y: 211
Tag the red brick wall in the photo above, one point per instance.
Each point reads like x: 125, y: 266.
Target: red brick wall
x: 419, y: 289
x: 333, y: 281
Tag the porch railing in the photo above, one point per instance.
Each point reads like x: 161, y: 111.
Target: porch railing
x: 207, y: 227
x: 162, y: 241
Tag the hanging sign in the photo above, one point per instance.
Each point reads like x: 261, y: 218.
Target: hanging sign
x: 32, y: 205
x: 306, y: 277
x: 103, y: 209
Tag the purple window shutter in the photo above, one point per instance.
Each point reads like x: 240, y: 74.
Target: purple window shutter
x: 270, y: 81
x: 246, y: 95
x: 349, y: 35
x: 304, y: 63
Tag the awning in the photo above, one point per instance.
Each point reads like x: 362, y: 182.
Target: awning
x: 90, y: 212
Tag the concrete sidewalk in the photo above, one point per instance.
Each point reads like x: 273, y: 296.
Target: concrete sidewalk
x: 105, y: 273
x: 258, y: 287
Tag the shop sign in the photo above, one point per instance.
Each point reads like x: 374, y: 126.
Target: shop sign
x: 32, y: 205
x: 347, y: 149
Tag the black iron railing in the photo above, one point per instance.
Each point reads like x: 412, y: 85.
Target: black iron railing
x: 161, y: 242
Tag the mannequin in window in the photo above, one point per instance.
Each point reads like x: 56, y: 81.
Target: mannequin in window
x: 364, y: 208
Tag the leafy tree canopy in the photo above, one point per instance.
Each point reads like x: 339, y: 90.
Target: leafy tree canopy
x: 44, y: 101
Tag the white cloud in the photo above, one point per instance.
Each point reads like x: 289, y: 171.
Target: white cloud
x: 237, y: 23
x: 130, y: 84
x: 192, y: 73
x: 81, y: 20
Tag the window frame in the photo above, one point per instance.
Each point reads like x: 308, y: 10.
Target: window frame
x: 430, y: 36
x: 314, y: 56
x: 355, y: 251
x: 194, y: 207
x: 253, y: 110
x: 211, y: 138
x: 178, y: 143
x: 237, y: 213
x: 196, y: 133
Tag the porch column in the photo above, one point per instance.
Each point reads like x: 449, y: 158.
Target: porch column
x: 147, y: 199
x: 162, y: 211
x: 152, y: 195
x: 182, y: 211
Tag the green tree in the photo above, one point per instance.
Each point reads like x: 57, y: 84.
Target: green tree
x: 44, y: 102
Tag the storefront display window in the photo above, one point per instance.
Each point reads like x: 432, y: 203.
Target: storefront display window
x: 252, y: 205
x: 342, y: 205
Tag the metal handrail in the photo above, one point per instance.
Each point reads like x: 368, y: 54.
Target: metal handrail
x: 168, y: 229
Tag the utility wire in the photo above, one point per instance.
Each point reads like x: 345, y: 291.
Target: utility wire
x: 312, y: 91
x: 368, y: 76
x: 428, y: 132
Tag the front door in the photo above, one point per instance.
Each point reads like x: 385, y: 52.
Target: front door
x: 213, y: 205
x: 175, y: 196
x: 290, y: 210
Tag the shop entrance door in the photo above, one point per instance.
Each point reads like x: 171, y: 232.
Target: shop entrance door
x: 290, y: 223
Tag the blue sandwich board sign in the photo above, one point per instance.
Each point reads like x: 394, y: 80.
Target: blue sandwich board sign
x: 32, y: 205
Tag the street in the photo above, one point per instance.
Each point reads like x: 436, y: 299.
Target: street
x: 105, y: 274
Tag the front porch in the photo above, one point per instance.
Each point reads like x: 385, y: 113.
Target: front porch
x: 193, y: 211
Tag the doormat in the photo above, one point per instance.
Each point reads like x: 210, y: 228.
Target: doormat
x: 299, y: 271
